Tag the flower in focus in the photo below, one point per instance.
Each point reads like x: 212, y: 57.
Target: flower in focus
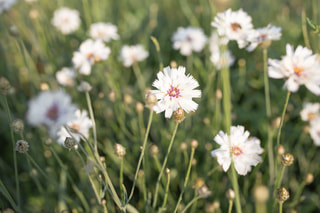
x: 6, y: 4
x: 76, y: 128
x: 234, y: 25
x: 89, y: 53
x: 132, y: 54
x: 263, y: 36
x: 315, y: 131
x: 66, y: 20
x: 66, y: 76
x: 310, y: 111
x: 218, y: 58
x: 298, y: 67
x: 189, y: 39
x: 175, y: 89
x: 104, y: 31
x: 52, y: 109
x: 237, y: 148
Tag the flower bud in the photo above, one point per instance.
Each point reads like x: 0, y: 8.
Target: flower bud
x: 14, y: 31
x: 261, y: 194
x: 282, y: 194
x: 151, y: 100
x: 139, y: 107
x: 173, y: 64
x: 281, y: 150
x: 17, y: 126
x: 287, y: 159
x: 8, y: 210
x: 230, y: 194
x: 154, y: 150
x: 183, y: 146
x: 276, y: 122
x: 22, y: 146
x: 168, y: 171
x: 178, y: 115
x: 84, y: 86
x: 218, y: 94
x: 119, y: 150
x: 127, y: 99
x: 4, y: 86
x: 194, y: 144
x: 70, y: 143
x: 309, y: 178
x: 112, y: 96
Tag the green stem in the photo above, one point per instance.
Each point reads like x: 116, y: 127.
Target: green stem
x: 162, y: 168
x: 141, y: 155
x: 230, y: 206
x: 296, y: 197
x: 5, y: 193
x: 86, y: 10
x: 279, y: 179
x: 225, y: 75
x: 93, y: 122
x: 121, y: 177
x: 186, y: 180
x: 304, y: 29
x: 37, y: 166
x: 280, y: 207
x: 190, y: 203
x: 236, y: 188
x: 166, y: 194
x: 156, y: 44
x: 139, y: 77
x: 15, y: 164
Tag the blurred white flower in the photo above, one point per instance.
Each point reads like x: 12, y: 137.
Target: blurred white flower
x: 66, y: 20
x: 189, y: 39
x: 218, y: 59
x: 89, y: 53
x: 175, y: 89
x: 104, y: 31
x: 6, y: 4
x: 298, y: 67
x: 237, y: 148
x: 66, y: 76
x: 234, y: 25
x: 29, y: 1
x: 52, y: 109
x: 132, y: 54
x: 315, y: 131
x: 310, y: 111
x: 81, y: 125
x: 263, y: 35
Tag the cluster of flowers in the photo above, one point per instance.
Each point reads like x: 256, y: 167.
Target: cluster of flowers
x: 311, y: 114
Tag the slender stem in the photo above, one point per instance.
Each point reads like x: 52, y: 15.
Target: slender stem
x: 156, y: 44
x: 86, y: 10
x: 37, y: 166
x: 190, y: 203
x: 279, y: 179
x: 5, y: 193
x: 121, y: 177
x: 296, y: 197
x: 166, y: 193
x: 230, y: 206
x: 141, y: 155
x: 162, y: 168
x: 93, y: 122
x: 186, y: 179
x: 280, y: 207
x: 15, y: 164
x: 304, y: 29
x: 139, y: 77
x: 225, y: 75
x: 236, y: 188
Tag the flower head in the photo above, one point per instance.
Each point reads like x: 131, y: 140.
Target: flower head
x: 263, y: 36
x: 66, y: 76
x: 6, y: 4
x: 189, y: 39
x: 298, y: 67
x: 315, y: 131
x: 52, y: 109
x: 22, y: 146
x: 89, y: 53
x: 104, y: 31
x: 175, y: 89
x: 76, y: 128
x: 66, y: 20
x: 233, y: 25
x: 239, y: 149
x: 132, y: 54
x: 310, y: 111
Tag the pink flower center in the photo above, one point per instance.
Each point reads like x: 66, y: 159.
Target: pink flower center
x: 173, y: 92
x: 235, y: 26
x: 52, y: 113
x: 236, y: 150
x: 298, y: 70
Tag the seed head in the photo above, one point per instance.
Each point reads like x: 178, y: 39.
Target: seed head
x: 178, y: 115
x: 282, y: 194
x: 287, y: 159
x: 119, y: 150
x: 22, y: 146
x: 70, y: 143
x: 17, y: 126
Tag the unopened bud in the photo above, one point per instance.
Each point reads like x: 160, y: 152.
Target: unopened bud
x: 309, y: 178
x: 119, y: 150
x: 84, y: 86
x: 102, y: 159
x: 22, y: 146
x: 173, y: 64
x: 276, y: 123
x: 17, y: 126
x: 112, y: 96
x: 282, y: 194
x: 139, y: 107
x: 287, y: 159
x: 167, y: 170
x: 178, y: 115
x: 127, y: 99
x: 151, y: 100
x: 183, y: 146
x: 204, y: 191
x: 194, y: 144
x: 281, y: 150
x: 70, y: 143
x: 4, y: 86
x: 230, y: 194
x: 261, y: 194
x: 154, y: 150
x: 218, y: 94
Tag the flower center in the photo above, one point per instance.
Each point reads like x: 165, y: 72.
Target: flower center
x: 311, y: 116
x: 262, y: 37
x: 173, y: 92
x: 52, y: 113
x: 74, y: 128
x: 236, y: 150
x: 298, y: 70
x: 235, y: 26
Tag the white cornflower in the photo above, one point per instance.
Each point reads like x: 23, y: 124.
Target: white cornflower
x: 66, y: 20
x: 175, y: 89
x: 218, y: 59
x: 66, y: 76
x: 89, y: 53
x: 298, y: 67
x: 310, y: 111
x: 189, y: 39
x: 234, y: 25
x: 52, y: 109
x: 6, y: 4
x: 263, y: 36
x: 132, y: 54
x: 81, y: 125
x: 237, y: 148
x: 315, y: 131
x: 104, y: 31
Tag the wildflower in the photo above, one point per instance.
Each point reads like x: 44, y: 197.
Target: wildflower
x: 315, y: 131
x: 119, y: 150
x: 89, y: 53
x: 189, y: 39
x: 298, y: 67
x: 233, y: 25
x: 282, y: 194
x: 6, y: 5
x: 310, y: 111
x: 104, y: 31
x: 239, y: 149
x: 22, y: 146
x: 77, y: 128
x: 132, y: 54
x: 53, y: 109
x: 287, y: 159
x: 66, y: 20
x: 66, y: 76
x: 263, y: 36
x: 17, y: 126
x: 218, y: 58
x: 175, y: 90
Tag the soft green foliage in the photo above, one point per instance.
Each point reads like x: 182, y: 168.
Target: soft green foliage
x: 30, y: 59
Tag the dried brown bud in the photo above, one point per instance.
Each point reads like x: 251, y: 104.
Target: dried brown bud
x: 70, y: 143
x: 22, y: 146
x: 17, y: 126
x: 287, y: 159
x: 178, y: 115
x: 282, y: 194
x: 119, y: 150
x: 276, y: 122
x: 173, y: 64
